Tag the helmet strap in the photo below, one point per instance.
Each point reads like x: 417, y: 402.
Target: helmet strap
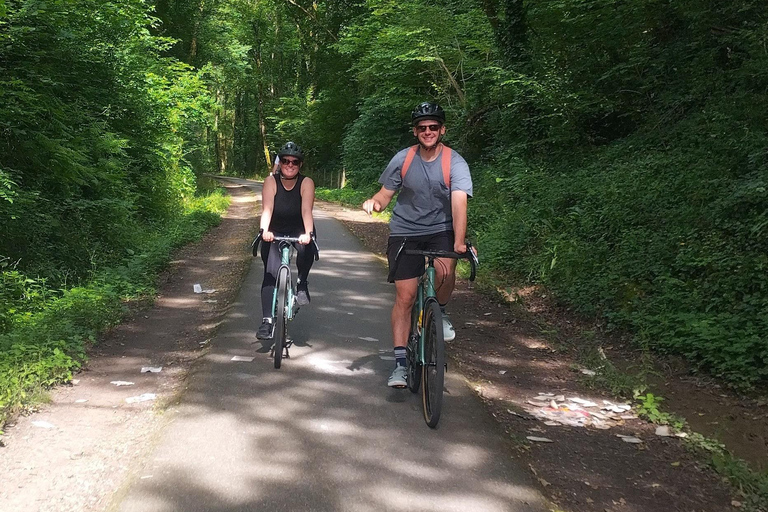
x: 288, y: 179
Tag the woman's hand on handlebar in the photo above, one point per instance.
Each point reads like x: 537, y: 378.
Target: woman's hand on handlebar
x: 305, y: 238
x: 267, y: 236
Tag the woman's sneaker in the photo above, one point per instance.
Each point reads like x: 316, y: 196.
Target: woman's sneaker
x: 265, y: 330
x: 399, y: 378
x: 302, y: 294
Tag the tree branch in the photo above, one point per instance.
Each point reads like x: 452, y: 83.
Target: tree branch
x: 313, y: 17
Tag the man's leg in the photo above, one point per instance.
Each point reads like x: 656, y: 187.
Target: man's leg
x: 445, y: 274
x: 405, y: 295
x: 270, y: 255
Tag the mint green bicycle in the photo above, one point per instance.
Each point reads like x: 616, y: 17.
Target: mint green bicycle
x: 425, y: 352
x: 284, y: 303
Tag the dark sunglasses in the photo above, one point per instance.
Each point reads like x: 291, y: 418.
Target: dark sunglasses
x: 290, y: 162
x: 430, y: 127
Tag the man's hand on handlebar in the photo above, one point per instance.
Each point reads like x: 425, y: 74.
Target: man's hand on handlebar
x: 305, y: 238
x: 462, y: 248
x: 267, y: 236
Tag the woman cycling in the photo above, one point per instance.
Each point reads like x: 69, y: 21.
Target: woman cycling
x: 287, y: 201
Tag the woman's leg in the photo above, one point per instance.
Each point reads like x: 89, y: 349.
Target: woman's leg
x: 270, y: 255
x: 305, y: 257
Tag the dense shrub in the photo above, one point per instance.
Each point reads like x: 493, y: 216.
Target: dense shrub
x: 44, y: 333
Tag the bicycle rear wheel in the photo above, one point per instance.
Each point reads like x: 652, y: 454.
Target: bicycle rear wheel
x: 281, y: 310
x: 433, y: 371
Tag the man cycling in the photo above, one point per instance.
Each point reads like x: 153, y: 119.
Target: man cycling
x: 430, y: 214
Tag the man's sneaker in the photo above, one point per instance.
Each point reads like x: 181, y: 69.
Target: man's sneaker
x: 265, y: 329
x: 398, y: 379
x: 448, y: 333
x: 302, y: 294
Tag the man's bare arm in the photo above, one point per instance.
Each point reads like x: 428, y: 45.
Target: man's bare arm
x: 459, y: 212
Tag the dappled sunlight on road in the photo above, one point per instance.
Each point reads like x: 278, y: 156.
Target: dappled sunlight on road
x: 324, y: 433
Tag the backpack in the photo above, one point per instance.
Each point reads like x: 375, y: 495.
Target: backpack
x: 445, y: 162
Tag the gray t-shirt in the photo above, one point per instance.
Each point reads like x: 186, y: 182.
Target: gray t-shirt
x: 423, y: 206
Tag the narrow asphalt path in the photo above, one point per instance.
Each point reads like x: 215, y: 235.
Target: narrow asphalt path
x: 323, y: 433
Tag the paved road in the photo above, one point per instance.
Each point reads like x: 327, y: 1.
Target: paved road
x: 324, y: 433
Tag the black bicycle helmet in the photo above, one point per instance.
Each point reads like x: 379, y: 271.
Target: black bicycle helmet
x: 428, y: 111
x: 291, y: 149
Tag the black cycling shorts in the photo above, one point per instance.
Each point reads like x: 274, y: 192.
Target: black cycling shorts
x: 411, y: 265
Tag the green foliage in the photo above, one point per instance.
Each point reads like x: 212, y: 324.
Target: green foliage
x: 649, y: 408
x: 751, y: 486
x: 346, y: 196
x: 629, y: 178
x: 617, y: 149
x: 91, y: 114
x: 44, y: 333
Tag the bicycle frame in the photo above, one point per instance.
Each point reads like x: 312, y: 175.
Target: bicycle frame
x: 425, y: 291
x: 286, y: 253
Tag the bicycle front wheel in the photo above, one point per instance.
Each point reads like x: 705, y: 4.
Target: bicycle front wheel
x: 281, y: 310
x: 433, y: 371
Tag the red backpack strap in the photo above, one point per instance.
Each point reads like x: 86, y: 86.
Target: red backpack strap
x: 446, y: 163
x: 408, y: 159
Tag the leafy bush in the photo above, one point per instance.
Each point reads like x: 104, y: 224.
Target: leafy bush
x: 45, y: 333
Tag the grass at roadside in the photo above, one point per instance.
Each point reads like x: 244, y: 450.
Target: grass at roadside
x: 343, y: 196
x: 352, y: 199
x: 46, y: 334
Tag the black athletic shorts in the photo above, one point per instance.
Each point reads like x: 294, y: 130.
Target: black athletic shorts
x: 411, y: 265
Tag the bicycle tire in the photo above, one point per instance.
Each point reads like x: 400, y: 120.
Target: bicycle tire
x: 433, y: 371
x: 281, y: 328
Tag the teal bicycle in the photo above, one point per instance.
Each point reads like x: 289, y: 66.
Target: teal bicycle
x: 425, y: 352
x: 284, y: 302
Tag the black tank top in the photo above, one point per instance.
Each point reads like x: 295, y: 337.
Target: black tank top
x: 286, y: 213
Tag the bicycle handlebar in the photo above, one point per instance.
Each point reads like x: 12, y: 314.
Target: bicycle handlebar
x: 470, y: 255
x: 289, y: 239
